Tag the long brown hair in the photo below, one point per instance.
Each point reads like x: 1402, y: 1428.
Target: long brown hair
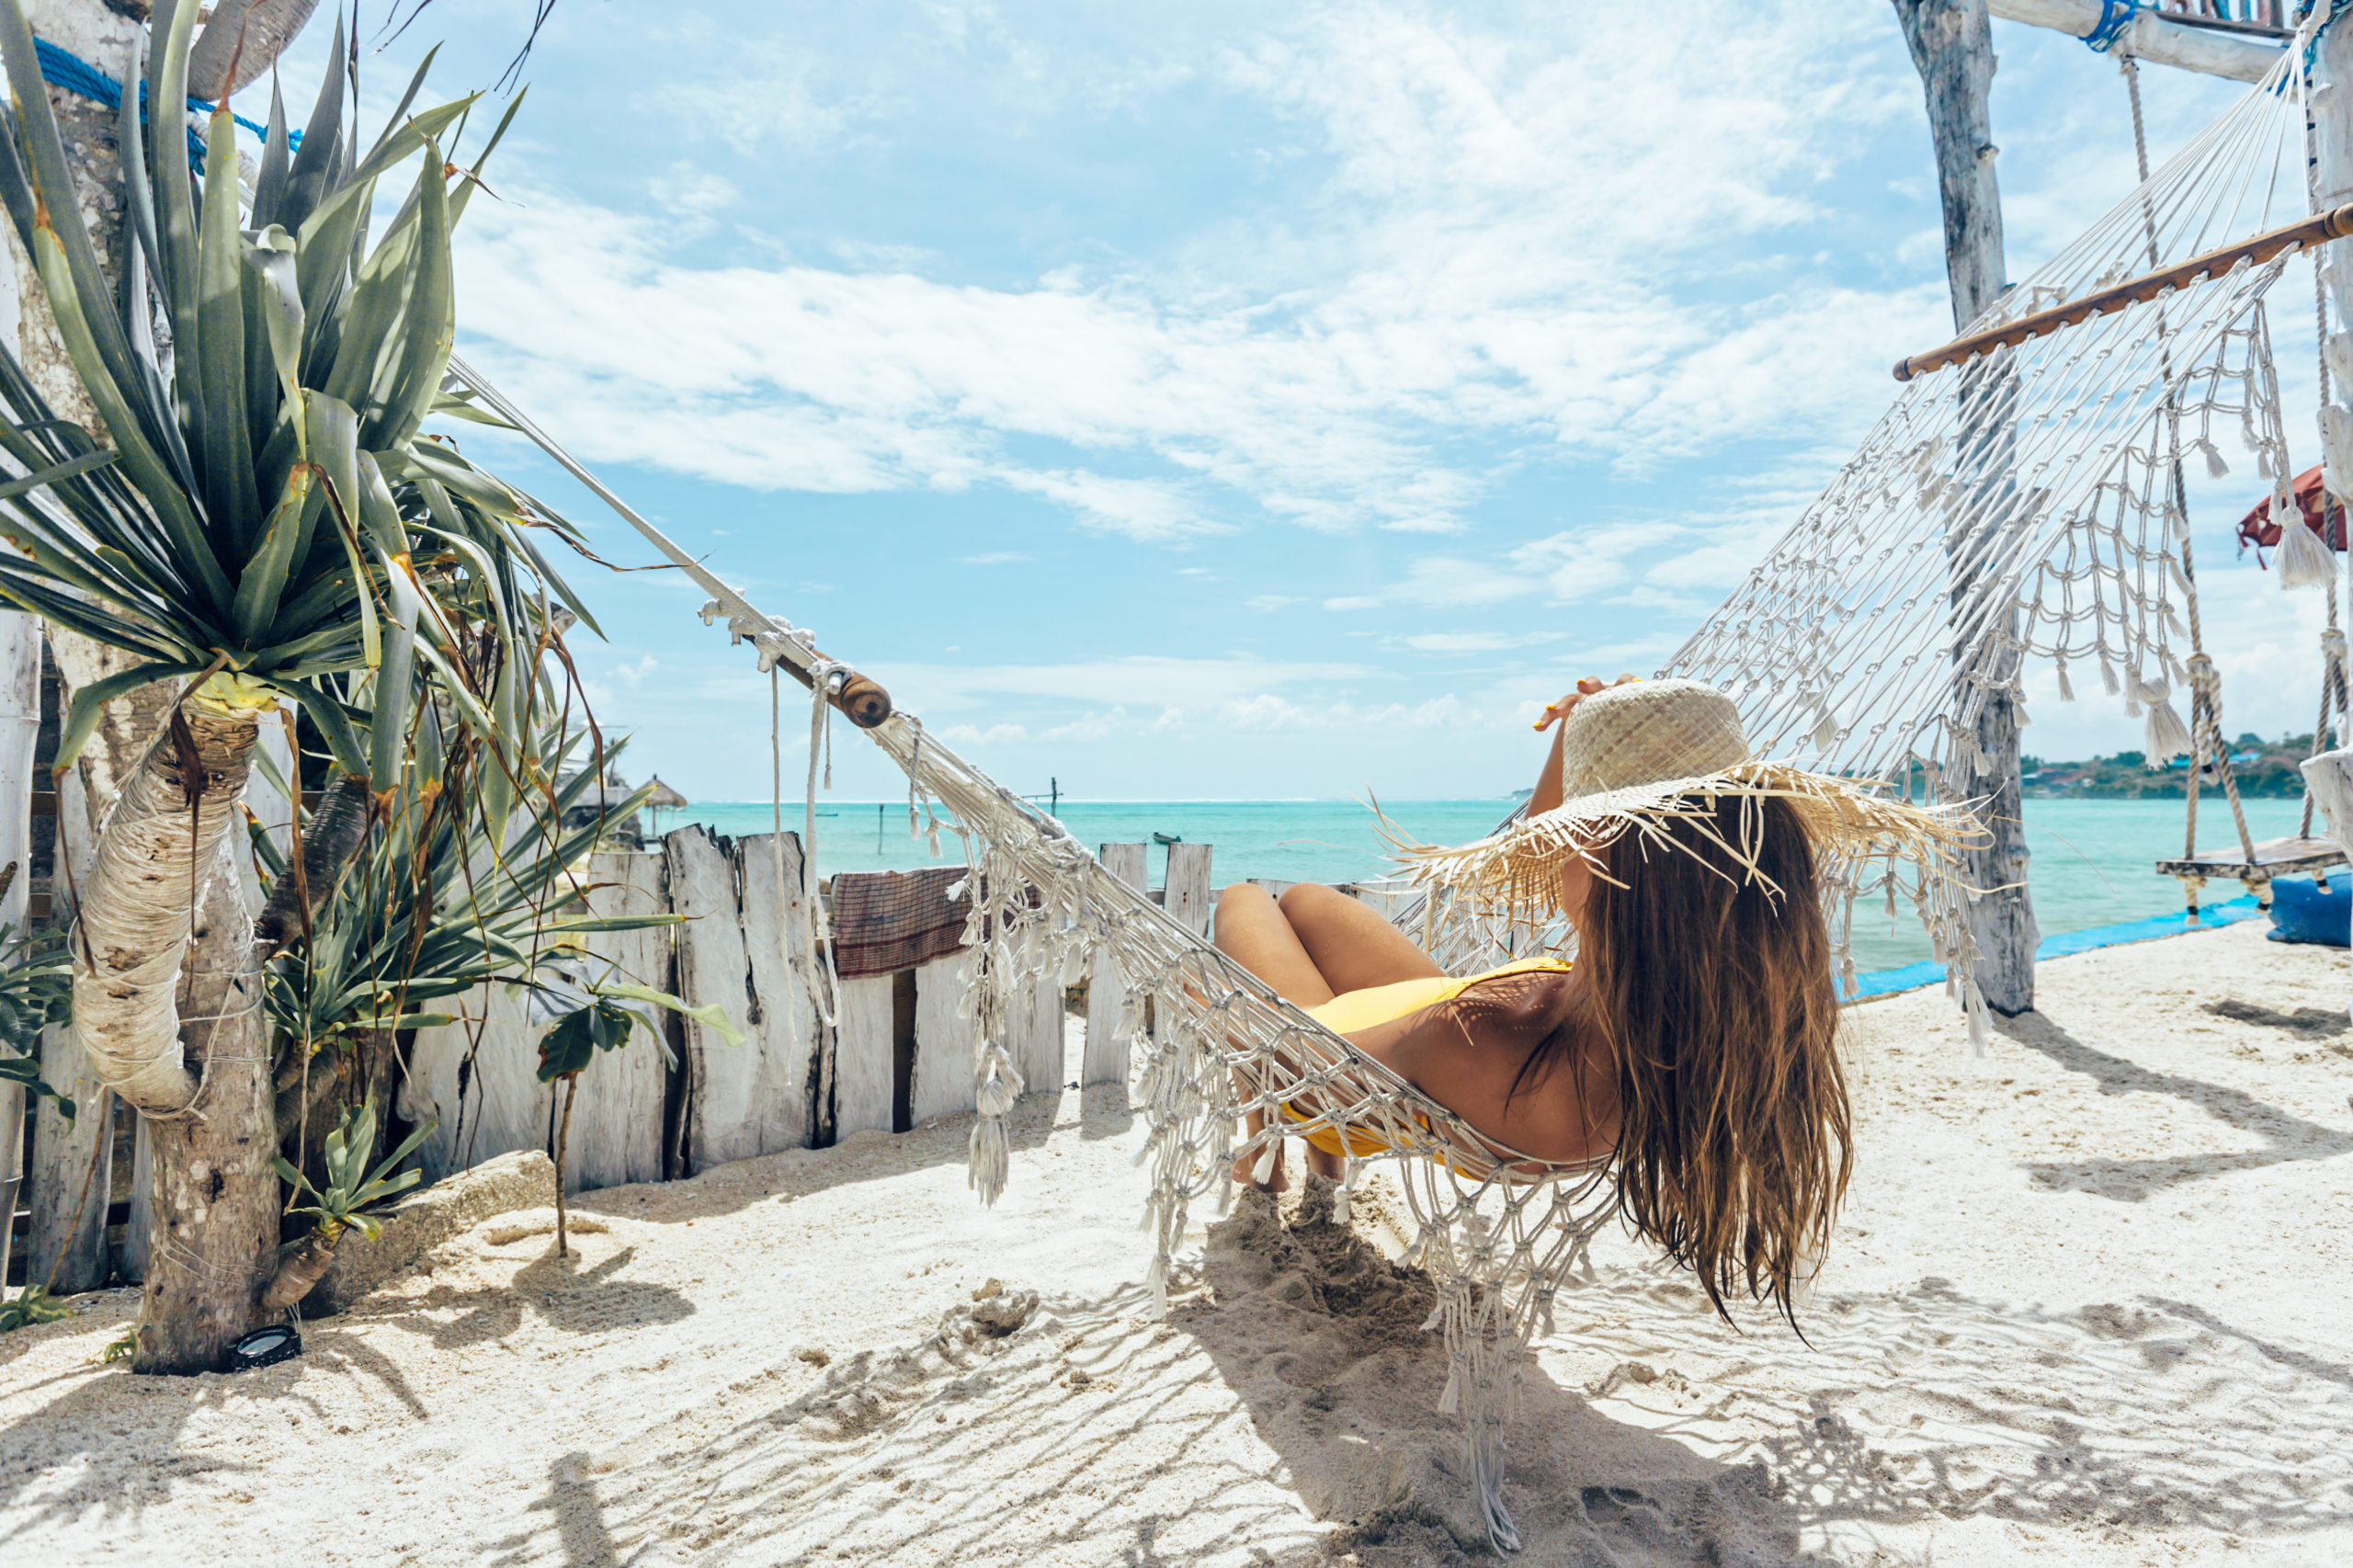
x: 1710, y: 984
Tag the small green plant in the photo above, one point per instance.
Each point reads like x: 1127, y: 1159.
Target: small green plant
x: 121, y: 1349
x: 33, y: 1305
x: 603, y: 1022
x: 352, y: 1190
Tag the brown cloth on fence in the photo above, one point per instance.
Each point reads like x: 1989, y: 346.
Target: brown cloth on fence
x: 887, y: 921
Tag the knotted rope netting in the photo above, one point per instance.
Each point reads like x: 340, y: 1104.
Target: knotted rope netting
x: 2028, y: 502
x: 2022, y: 503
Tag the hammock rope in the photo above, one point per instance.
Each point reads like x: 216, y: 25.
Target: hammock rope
x: 60, y: 67
x: 1498, y: 1230
x: 2022, y: 502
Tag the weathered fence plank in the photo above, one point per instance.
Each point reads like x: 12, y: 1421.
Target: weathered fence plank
x: 271, y: 808
x: 1388, y: 902
x: 12, y: 1164
x: 482, y: 1100
x: 712, y: 967
x: 616, y: 1132
x: 19, y: 735
x: 130, y: 1257
x: 865, y: 1055
x: 744, y: 947
x: 1036, y: 1031
x: 1107, y: 1048
x: 941, y: 1084
x: 1187, y: 895
x: 64, y: 1157
x: 788, y: 1040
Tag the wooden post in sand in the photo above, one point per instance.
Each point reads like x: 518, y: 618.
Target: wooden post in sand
x: 941, y: 1081
x: 2332, y: 111
x: 67, y: 1158
x: 616, y: 1133
x: 865, y: 1043
x: 19, y: 732
x: 1188, y: 893
x: 72, y: 1170
x: 1107, y: 992
x: 1035, y: 1033
x: 744, y: 946
x: 1953, y: 46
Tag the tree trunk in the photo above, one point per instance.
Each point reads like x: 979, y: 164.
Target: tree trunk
x: 215, y: 1240
x: 144, y: 956
x: 1953, y: 46
x: 250, y: 33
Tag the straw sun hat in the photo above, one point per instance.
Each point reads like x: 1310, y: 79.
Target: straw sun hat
x: 1636, y: 758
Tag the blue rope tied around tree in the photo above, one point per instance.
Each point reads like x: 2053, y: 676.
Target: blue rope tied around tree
x: 64, y: 68
x: 2115, y: 19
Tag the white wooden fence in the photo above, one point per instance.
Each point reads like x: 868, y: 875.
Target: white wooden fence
x: 898, y: 1054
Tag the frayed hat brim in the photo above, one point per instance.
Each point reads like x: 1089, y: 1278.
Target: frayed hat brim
x: 1518, y: 867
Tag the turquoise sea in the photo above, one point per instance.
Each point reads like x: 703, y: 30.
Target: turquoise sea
x: 2092, y: 858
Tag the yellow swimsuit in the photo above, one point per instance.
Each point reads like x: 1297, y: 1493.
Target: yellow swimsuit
x: 1353, y: 1012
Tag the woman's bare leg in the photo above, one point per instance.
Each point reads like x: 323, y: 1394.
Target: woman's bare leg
x: 1250, y: 929
x: 1351, y: 946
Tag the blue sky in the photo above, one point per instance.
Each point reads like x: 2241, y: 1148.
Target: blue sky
x: 1234, y: 401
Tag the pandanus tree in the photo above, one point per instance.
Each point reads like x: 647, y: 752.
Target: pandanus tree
x: 259, y: 523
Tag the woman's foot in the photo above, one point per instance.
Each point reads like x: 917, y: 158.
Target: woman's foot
x: 1245, y: 1171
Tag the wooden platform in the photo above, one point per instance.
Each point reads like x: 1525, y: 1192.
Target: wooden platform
x: 2273, y: 858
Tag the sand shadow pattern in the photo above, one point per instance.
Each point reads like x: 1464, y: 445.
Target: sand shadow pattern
x: 2285, y: 1136
x: 875, y: 1452
x: 569, y: 1294
x: 1112, y: 1436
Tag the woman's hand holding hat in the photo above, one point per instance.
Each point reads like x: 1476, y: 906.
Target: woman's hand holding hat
x: 1586, y: 687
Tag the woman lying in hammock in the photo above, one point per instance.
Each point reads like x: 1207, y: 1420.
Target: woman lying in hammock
x: 1696, y: 1036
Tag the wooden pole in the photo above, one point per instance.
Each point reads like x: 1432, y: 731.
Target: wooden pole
x: 1952, y: 48
x: 2330, y: 775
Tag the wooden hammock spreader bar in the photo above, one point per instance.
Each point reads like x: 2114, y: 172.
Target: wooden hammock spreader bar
x: 2148, y: 286
x: 860, y: 699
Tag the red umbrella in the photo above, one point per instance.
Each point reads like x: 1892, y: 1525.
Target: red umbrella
x: 2257, y: 529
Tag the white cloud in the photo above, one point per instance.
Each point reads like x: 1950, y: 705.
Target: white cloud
x: 989, y: 735
x: 1147, y: 511
x: 1561, y: 568
x: 1477, y: 642
x: 1501, y: 265
x: 770, y: 96
x: 1143, y: 682
x: 995, y: 558
x: 693, y: 191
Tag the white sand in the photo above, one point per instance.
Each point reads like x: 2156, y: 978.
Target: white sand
x: 2089, y: 1307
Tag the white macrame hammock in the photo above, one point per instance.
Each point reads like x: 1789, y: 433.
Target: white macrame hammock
x: 2018, y: 505
x: 2028, y: 504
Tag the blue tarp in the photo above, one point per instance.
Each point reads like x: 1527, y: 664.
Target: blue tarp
x: 1913, y: 976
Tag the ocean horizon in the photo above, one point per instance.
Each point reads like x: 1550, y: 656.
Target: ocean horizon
x: 2093, y: 861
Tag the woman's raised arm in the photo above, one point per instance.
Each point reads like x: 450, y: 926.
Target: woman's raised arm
x: 1547, y: 793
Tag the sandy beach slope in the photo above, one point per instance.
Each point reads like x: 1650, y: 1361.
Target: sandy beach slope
x: 2089, y: 1306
